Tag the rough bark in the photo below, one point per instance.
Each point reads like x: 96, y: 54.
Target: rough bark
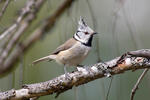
x: 84, y: 75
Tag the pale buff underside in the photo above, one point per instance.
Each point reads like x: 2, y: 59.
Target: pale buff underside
x: 73, y: 56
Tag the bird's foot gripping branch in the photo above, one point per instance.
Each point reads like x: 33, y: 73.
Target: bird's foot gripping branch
x: 128, y: 61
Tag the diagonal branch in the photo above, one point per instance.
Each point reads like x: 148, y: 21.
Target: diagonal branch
x: 24, y: 11
x: 23, y: 26
x: 32, y: 12
x: 36, y: 35
x: 84, y: 75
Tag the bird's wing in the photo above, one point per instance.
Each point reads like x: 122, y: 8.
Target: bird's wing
x: 68, y: 44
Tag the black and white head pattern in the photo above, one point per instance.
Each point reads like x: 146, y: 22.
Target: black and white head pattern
x: 84, y: 33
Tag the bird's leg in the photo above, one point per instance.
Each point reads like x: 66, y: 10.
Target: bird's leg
x: 66, y: 73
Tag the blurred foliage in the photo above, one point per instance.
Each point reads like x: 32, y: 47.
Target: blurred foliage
x: 123, y: 26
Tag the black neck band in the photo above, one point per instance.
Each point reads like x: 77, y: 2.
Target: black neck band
x: 89, y: 43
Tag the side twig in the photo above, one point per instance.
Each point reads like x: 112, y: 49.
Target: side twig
x: 137, y: 83
x: 140, y: 53
x: 107, y: 95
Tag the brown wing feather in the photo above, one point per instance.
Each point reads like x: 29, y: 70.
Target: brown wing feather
x: 68, y: 44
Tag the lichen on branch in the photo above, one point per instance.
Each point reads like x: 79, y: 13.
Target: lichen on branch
x: 82, y: 76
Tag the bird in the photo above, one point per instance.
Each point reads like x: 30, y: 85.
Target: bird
x: 75, y: 49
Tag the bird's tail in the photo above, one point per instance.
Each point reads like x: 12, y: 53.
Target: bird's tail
x: 48, y: 58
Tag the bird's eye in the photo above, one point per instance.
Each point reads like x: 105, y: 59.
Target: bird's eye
x: 86, y: 32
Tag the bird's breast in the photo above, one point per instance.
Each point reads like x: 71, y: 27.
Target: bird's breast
x: 74, y: 55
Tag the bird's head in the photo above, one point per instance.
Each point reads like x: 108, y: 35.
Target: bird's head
x: 84, y: 33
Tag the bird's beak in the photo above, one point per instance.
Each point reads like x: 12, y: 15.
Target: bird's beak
x: 95, y: 33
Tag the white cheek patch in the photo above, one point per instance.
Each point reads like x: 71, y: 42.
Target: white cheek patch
x: 82, y: 35
x: 79, y: 36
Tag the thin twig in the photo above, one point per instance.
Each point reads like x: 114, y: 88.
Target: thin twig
x: 4, y: 8
x: 109, y: 88
x: 137, y: 83
x: 139, y: 53
x: 137, y: 43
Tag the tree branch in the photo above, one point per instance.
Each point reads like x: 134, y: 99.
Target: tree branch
x: 24, y: 11
x: 36, y: 35
x: 22, y: 27
x: 82, y: 76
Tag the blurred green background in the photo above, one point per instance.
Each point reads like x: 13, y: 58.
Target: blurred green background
x: 123, y: 26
